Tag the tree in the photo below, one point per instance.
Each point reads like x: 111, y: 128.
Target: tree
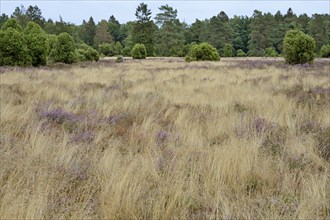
x: 170, y: 36
x: 144, y: 28
x: 114, y: 28
x: 139, y: 51
x: 228, y: 50
x: 102, y: 35
x: 37, y: 43
x: 261, y: 33
x: 241, y: 31
x: 319, y: 28
x: 3, y: 19
x: 220, y: 31
x: 298, y: 47
x: 13, y: 48
x: 33, y: 13
x: 20, y: 15
x: 88, y: 31
x: 203, y: 51
x: 64, y: 50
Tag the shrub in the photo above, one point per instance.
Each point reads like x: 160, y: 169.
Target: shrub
x: 241, y: 53
x: 203, y: 51
x: 325, y: 51
x: 12, y: 23
x: 13, y: 48
x: 270, y: 52
x: 139, y: 51
x: 64, y: 50
x: 127, y: 51
x: 120, y: 59
x: 298, y: 47
x: 228, y: 50
x: 52, y: 39
x: 87, y: 53
x: 119, y: 48
x: 107, y: 49
x: 37, y: 43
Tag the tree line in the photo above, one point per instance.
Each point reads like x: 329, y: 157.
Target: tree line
x: 164, y: 34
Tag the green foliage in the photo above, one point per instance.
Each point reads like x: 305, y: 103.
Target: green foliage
x: 107, y: 49
x: 144, y: 28
x: 52, y: 39
x: 298, y: 47
x: 127, y: 51
x: 139, y: 51
x: 228, y: 50
x: 64, y: 50
x: 203, y: 51
x: 170, y: 36
x: 87, y: 53
x: 13, y: 48
x: 325, y: 51
x: 270, y: 52
x: 120, y: 59
x: 37, y: 43
x: 112, y: 49
x: 241, y: 53
x: 12, y: 23
x: 102, y: 35
x: 119, y: 48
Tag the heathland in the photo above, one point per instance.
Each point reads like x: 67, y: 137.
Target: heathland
x: 163, y: 139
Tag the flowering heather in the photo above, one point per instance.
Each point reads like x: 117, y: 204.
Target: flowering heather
x: 58, y: 116
x: 83, y: 137
x: 161, y: 136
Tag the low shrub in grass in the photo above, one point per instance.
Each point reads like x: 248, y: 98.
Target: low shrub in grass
x: 240, y: 53
x: 203, y: 51
x: 87, y: 53
x: 139, y: 51
x: 298, y: 47
x: 325, y: 51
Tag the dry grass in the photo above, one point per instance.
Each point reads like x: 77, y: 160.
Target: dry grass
x: 165, y: 139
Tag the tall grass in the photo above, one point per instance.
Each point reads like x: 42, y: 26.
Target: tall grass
x: 166, y: 139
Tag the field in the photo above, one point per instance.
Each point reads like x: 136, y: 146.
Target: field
x: 166, y: 139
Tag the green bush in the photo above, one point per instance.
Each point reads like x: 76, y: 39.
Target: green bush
x: 139, y: 51
x: 127, y: 51
x: 120, y: 59
x: 298, y: 47
x: 37, y: 43
x: 241, y: 53
x: 203, y: 51
x: 87, y: 53
x: 13, y: 48
x: 228, y: 50
x: 107, y: 49
x: 64, y: 50
x: 112, y: 49
x: 52, y: 39
x: 325, y: 51
x: 12, y: 23
x: 119, y: 48
x: 270, y: 52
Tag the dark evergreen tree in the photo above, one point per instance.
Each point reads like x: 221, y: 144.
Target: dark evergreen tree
x: 170, y: 36
x: 144, y: 29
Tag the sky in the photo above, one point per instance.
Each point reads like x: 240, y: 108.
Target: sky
x: 75, y: 11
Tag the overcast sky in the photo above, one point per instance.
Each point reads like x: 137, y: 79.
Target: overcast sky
x: 188, y: 11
